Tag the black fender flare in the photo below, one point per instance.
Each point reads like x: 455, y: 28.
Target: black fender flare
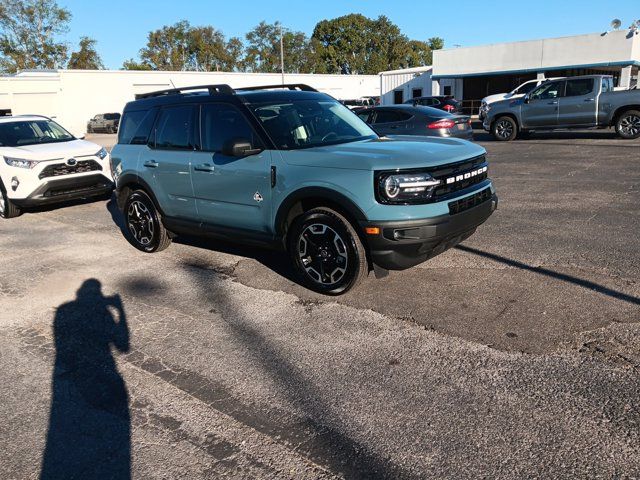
x: 129, y: 180
x: 322, y: 195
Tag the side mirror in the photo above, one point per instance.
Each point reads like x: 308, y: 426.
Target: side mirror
x: 527, y: 98
x: 239, y: 147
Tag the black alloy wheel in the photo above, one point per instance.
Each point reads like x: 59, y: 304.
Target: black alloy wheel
x: 628, y: 125
x: 505, y: 129
x: 144, y: 228
x: 326, y: 252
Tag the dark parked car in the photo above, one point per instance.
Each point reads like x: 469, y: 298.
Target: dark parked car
x: 446, y: 103
x: 410, y: 120
x: 104, y: 122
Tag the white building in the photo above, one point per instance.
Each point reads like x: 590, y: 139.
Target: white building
x: 72, y: 97
x: 472, y: 73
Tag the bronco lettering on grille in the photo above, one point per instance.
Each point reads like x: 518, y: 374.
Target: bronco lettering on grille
x: 466, y: 175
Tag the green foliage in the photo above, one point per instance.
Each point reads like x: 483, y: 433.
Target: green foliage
x: 184, y: 47
x: 360, y: 45
x: 263, y: 49
x: 29, y: 33
x: 436, y: 43
x: 86, y: 58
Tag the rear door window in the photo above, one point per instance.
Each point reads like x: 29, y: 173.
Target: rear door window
x: 136, y: 126
x: 580, y: 87
x: 175, y: 128
x: 389, y: 116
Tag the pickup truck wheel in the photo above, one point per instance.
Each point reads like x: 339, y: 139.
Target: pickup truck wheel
x: 7, y: 208
x: 326, y: 252
x: 628, y: 125
x: 504, y: 129
x: 144, y: 229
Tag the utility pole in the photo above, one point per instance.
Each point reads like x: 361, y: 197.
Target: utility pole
x: 281, y: 54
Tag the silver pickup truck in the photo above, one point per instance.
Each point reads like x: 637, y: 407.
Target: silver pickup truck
x: 574, y: 102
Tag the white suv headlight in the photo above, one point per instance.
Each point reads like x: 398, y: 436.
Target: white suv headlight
x: 20, y: 162
x: 102, y: 153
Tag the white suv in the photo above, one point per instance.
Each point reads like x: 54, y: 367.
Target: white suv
x: 40, y: 163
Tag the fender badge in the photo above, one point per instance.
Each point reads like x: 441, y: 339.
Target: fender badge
x: 257, y: 197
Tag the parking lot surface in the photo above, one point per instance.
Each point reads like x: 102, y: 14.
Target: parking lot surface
x: 515, y: 355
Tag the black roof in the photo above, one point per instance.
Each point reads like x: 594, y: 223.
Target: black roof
x: 223, y: 92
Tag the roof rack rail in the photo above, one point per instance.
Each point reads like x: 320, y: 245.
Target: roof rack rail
x: 288, y: 86
x: 213, y: 89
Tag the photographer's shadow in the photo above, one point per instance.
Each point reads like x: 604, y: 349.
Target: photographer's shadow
x: 89, y: 426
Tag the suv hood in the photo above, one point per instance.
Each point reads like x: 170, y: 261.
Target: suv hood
x: 496, y: 97
x: 386, y: 153
x: 50, y: 151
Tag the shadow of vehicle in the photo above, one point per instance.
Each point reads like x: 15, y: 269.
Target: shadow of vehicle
x: 89, y: 424
x: 275, y: 260
x: 480, y: 135
x: 67, y: 204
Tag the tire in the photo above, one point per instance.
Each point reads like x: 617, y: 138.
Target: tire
x: 336, y: 262
x: 8, y: 209
x: 504, y: 129
x: 628, y: 125
x: 142, y: 224
x: 89, y: 130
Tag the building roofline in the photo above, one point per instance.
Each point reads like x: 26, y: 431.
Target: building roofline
x: 426, y: 68
x: 482, y: 45
x: 535, y: 70
x: 179, y: 72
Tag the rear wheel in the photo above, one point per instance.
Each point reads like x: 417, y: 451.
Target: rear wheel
x: 8, y: 209
x: 143, y: 225
x: 504, y: 129
x: 628, y: 125
x: 327, y: 252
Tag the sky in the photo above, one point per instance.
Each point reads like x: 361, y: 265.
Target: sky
x: 121, y: 27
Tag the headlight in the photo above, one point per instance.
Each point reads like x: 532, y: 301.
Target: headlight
x: 402, y: 188
x: 20, y: 162
x: 102, y: 153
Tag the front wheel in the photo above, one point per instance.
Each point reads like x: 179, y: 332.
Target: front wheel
x: 7, y: 208
x: 628, y: 125
x: 327, y: 252
x: 504, y: 129
x: 143, y: 225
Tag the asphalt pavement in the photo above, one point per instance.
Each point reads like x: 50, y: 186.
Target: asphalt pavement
x: 515, y: 355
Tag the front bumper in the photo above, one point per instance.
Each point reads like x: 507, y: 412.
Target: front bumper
x: 404, y: 244
x: 64, y: 189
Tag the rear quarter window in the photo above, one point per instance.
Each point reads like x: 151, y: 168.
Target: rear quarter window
x: 135, y: 127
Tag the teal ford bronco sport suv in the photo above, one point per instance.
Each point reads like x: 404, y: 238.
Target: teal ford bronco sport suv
x: 290, y: 167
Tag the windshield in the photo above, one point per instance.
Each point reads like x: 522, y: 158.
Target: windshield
x: 31, y: 132
x: 524, y: 88
x: 310, y: 123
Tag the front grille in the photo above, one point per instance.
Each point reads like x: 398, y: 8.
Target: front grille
x: 77, y: 190
x: 458, y: 171
x: 469, y: 202
x: 60, y: 169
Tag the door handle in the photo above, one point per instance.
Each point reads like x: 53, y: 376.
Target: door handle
x: 590, y: 100
x: 555, y: 102
x: 151, y: 164
x: 205, y: 167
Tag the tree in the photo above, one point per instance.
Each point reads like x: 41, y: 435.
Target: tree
x: 419, y: 54
x: 86, y: 57
x: 185, y: 47
x: 355, y: 44
x: 29, y: 33
x: 131, y: 64
x: 436, y: 43
x: 263, y: 49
